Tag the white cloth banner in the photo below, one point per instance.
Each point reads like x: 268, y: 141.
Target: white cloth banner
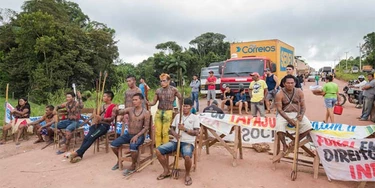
x: 223, y: 123
x: 346, y: 159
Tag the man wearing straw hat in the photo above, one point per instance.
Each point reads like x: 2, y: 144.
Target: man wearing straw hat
x: 164, y: 115
x: 189, y: 127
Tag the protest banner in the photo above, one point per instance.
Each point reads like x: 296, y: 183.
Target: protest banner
x: 223, y: 122
x: 346, y: 159
x: 8, y: 109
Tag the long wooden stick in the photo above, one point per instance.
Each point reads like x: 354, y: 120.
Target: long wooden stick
x: 175, y: 168
x: 6, y: 102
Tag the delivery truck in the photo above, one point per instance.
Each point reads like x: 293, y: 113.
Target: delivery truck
x: 255, y: 56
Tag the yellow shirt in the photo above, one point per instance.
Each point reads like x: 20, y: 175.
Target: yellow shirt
x: 257, y: 90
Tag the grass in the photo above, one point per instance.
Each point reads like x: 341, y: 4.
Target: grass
x: 348, y: 76
x: 59, y: 97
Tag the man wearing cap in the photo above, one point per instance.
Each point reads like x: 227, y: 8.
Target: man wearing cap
x: 272, y: 85
x: 290, y: 71
x: 257, y: 91
x: 213, y: 108
x: 211, y: 82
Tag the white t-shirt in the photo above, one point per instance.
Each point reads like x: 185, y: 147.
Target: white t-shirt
x: 190, y: 122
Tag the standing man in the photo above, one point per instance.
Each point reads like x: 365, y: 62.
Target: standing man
x: 139, y: 123
x: 290, y: 103
x: 143, y: 87
x: 129, y: 93
x: 132, y: 89
x: 257, y: 91
x: 189, y: 128
x: 211, y: 82
x: 73, y: 109
x: 195, y: 84
x: 163, y: 117
x: 290, y: 71
x: 49, y: 118
x: 272, y: 85
x: 100, y: 126
x: 368, y: 95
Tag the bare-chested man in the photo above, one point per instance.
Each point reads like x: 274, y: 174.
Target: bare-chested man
x: 100, y: 126
x: 129, y: 93
x: 290, y: 103
x: 73, y: 109
x: 49, y: 118
x: 163, y: 118
x: 139, y: 123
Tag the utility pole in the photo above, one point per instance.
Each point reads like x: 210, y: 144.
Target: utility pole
x: 360, y: 57
x: 346, y: 60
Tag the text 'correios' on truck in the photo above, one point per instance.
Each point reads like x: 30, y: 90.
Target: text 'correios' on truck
x: 256, y: 56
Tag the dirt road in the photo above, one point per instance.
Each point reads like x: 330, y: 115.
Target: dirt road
x: 28, y: 166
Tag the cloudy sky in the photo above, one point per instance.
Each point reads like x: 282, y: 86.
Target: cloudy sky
x: 320, y: 30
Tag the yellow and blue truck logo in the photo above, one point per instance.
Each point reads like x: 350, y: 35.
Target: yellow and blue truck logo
x: 286, y: 58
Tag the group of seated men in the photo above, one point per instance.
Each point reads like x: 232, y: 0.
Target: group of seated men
x: 138, y: 125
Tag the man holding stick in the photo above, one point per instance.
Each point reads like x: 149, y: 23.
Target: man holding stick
x: 189, y: 126
x: 100, y: 126
x: 139, y: 123
x: 73, y: 109
x: 49, y: 118
x: 290, y: 103
x: 163, y: 118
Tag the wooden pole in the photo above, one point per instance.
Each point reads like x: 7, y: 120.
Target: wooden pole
x: 6, y: 101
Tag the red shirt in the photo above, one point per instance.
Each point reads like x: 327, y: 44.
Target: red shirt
x: 211, y: 79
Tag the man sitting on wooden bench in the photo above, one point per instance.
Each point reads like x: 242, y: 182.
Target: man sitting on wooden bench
x: 100, y: 126
x: 190, y: 129
x: 290, y: 103
x: 49, y: 118
x: 73, y: 108
x: 138, y: 125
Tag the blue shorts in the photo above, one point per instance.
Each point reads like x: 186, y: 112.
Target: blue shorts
x: 186, y: 149
x: 330, y: 103
x: 125, y: 139
x: 69, y: 125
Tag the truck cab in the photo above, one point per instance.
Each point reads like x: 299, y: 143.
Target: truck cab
x: 236, y: 71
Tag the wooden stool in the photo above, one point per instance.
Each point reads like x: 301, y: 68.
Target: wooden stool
x: 277, y: 155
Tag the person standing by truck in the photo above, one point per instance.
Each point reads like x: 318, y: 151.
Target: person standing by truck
x: 290, y: 71
x: 211, y: 82
x: 257, y: 91
x: 272, y: 85
x: 195, y: 85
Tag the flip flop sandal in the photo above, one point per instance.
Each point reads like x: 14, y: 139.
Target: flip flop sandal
x: 75, y: 159
x: 162, y: 176
x: 188, y: 182
x: 60, y: 152
x: 115, y: 167
x: 127, y: 172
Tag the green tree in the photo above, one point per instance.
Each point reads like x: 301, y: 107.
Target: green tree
x: 52, y: 44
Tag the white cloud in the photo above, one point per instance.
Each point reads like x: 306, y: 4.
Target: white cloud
x: 320, y: 30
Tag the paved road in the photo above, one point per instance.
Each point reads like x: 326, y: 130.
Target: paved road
x: 316, y: 109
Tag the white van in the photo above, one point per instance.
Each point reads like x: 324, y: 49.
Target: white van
x: 203, y: 78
